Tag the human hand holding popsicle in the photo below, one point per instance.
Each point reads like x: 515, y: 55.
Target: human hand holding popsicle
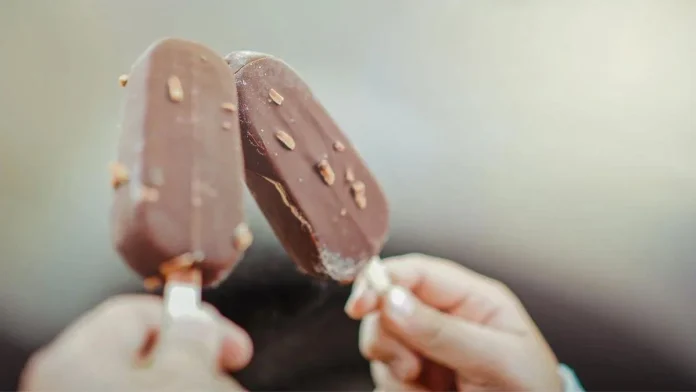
x: 121, y: 346
x: 440, y: 326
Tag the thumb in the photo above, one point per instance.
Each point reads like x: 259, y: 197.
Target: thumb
x: 450, y: 341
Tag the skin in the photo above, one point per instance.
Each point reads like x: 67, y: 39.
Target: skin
x: 444, y: 327
x: 120, y: 346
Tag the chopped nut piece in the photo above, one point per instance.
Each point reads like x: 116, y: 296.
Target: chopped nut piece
x: 152, y: 283
x: 229, y: 106
x: 226, y: 125
x: 176, y: 92
x: 188, y: 275
x: 350, y: 176
x: 242, y: 237
x: 343, y: 212
x: 119, y: 174
x: 360, y: 200
x: 357, y: 187
x: 338, y: 146
x: 286, y: 140
x: 326, y: 172
x: 149, y: 194
x: 123, y: 80
x: 358, y: 190
x: 176, y: 264
x: 275, y: 97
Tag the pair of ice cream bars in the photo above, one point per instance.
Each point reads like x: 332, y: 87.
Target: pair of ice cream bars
x: 196, y: 128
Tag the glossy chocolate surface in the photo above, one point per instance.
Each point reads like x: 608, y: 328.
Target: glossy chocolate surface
x: 180, y: 151
x: 323, y: 203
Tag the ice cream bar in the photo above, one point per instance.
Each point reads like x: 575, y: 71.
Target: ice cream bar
x: 321, y: 200
x: 179, y: 176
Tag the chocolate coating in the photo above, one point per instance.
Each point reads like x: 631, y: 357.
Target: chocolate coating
x: 296, y: 160
x: 180, y: 146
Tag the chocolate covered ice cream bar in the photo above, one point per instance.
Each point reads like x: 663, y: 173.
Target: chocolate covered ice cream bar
x: 320, y: 198
x: 179, y: 176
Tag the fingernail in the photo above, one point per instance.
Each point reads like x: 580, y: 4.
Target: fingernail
x: 400, y: 303
x: 359, y: 288
x: 376, y: 276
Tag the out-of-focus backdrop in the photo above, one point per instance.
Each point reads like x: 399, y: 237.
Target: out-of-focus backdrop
x: 550, y: 144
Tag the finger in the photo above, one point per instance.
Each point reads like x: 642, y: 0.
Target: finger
x: 445, y: 339
x: 206, y: 338
x: 362, y: 299
x: 237, y: 348
x: 385, y: 380
x: 376, y: 344
x: 451, y: 288
x: 440, y: 283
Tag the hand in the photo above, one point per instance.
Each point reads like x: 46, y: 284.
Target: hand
x: 443, y: 327
x: 111, y: 348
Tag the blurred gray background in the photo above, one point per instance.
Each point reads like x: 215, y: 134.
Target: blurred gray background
x: 547, y: 143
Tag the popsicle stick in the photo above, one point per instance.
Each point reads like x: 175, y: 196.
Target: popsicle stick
x: 182, y: 295
x: 182, y: 299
